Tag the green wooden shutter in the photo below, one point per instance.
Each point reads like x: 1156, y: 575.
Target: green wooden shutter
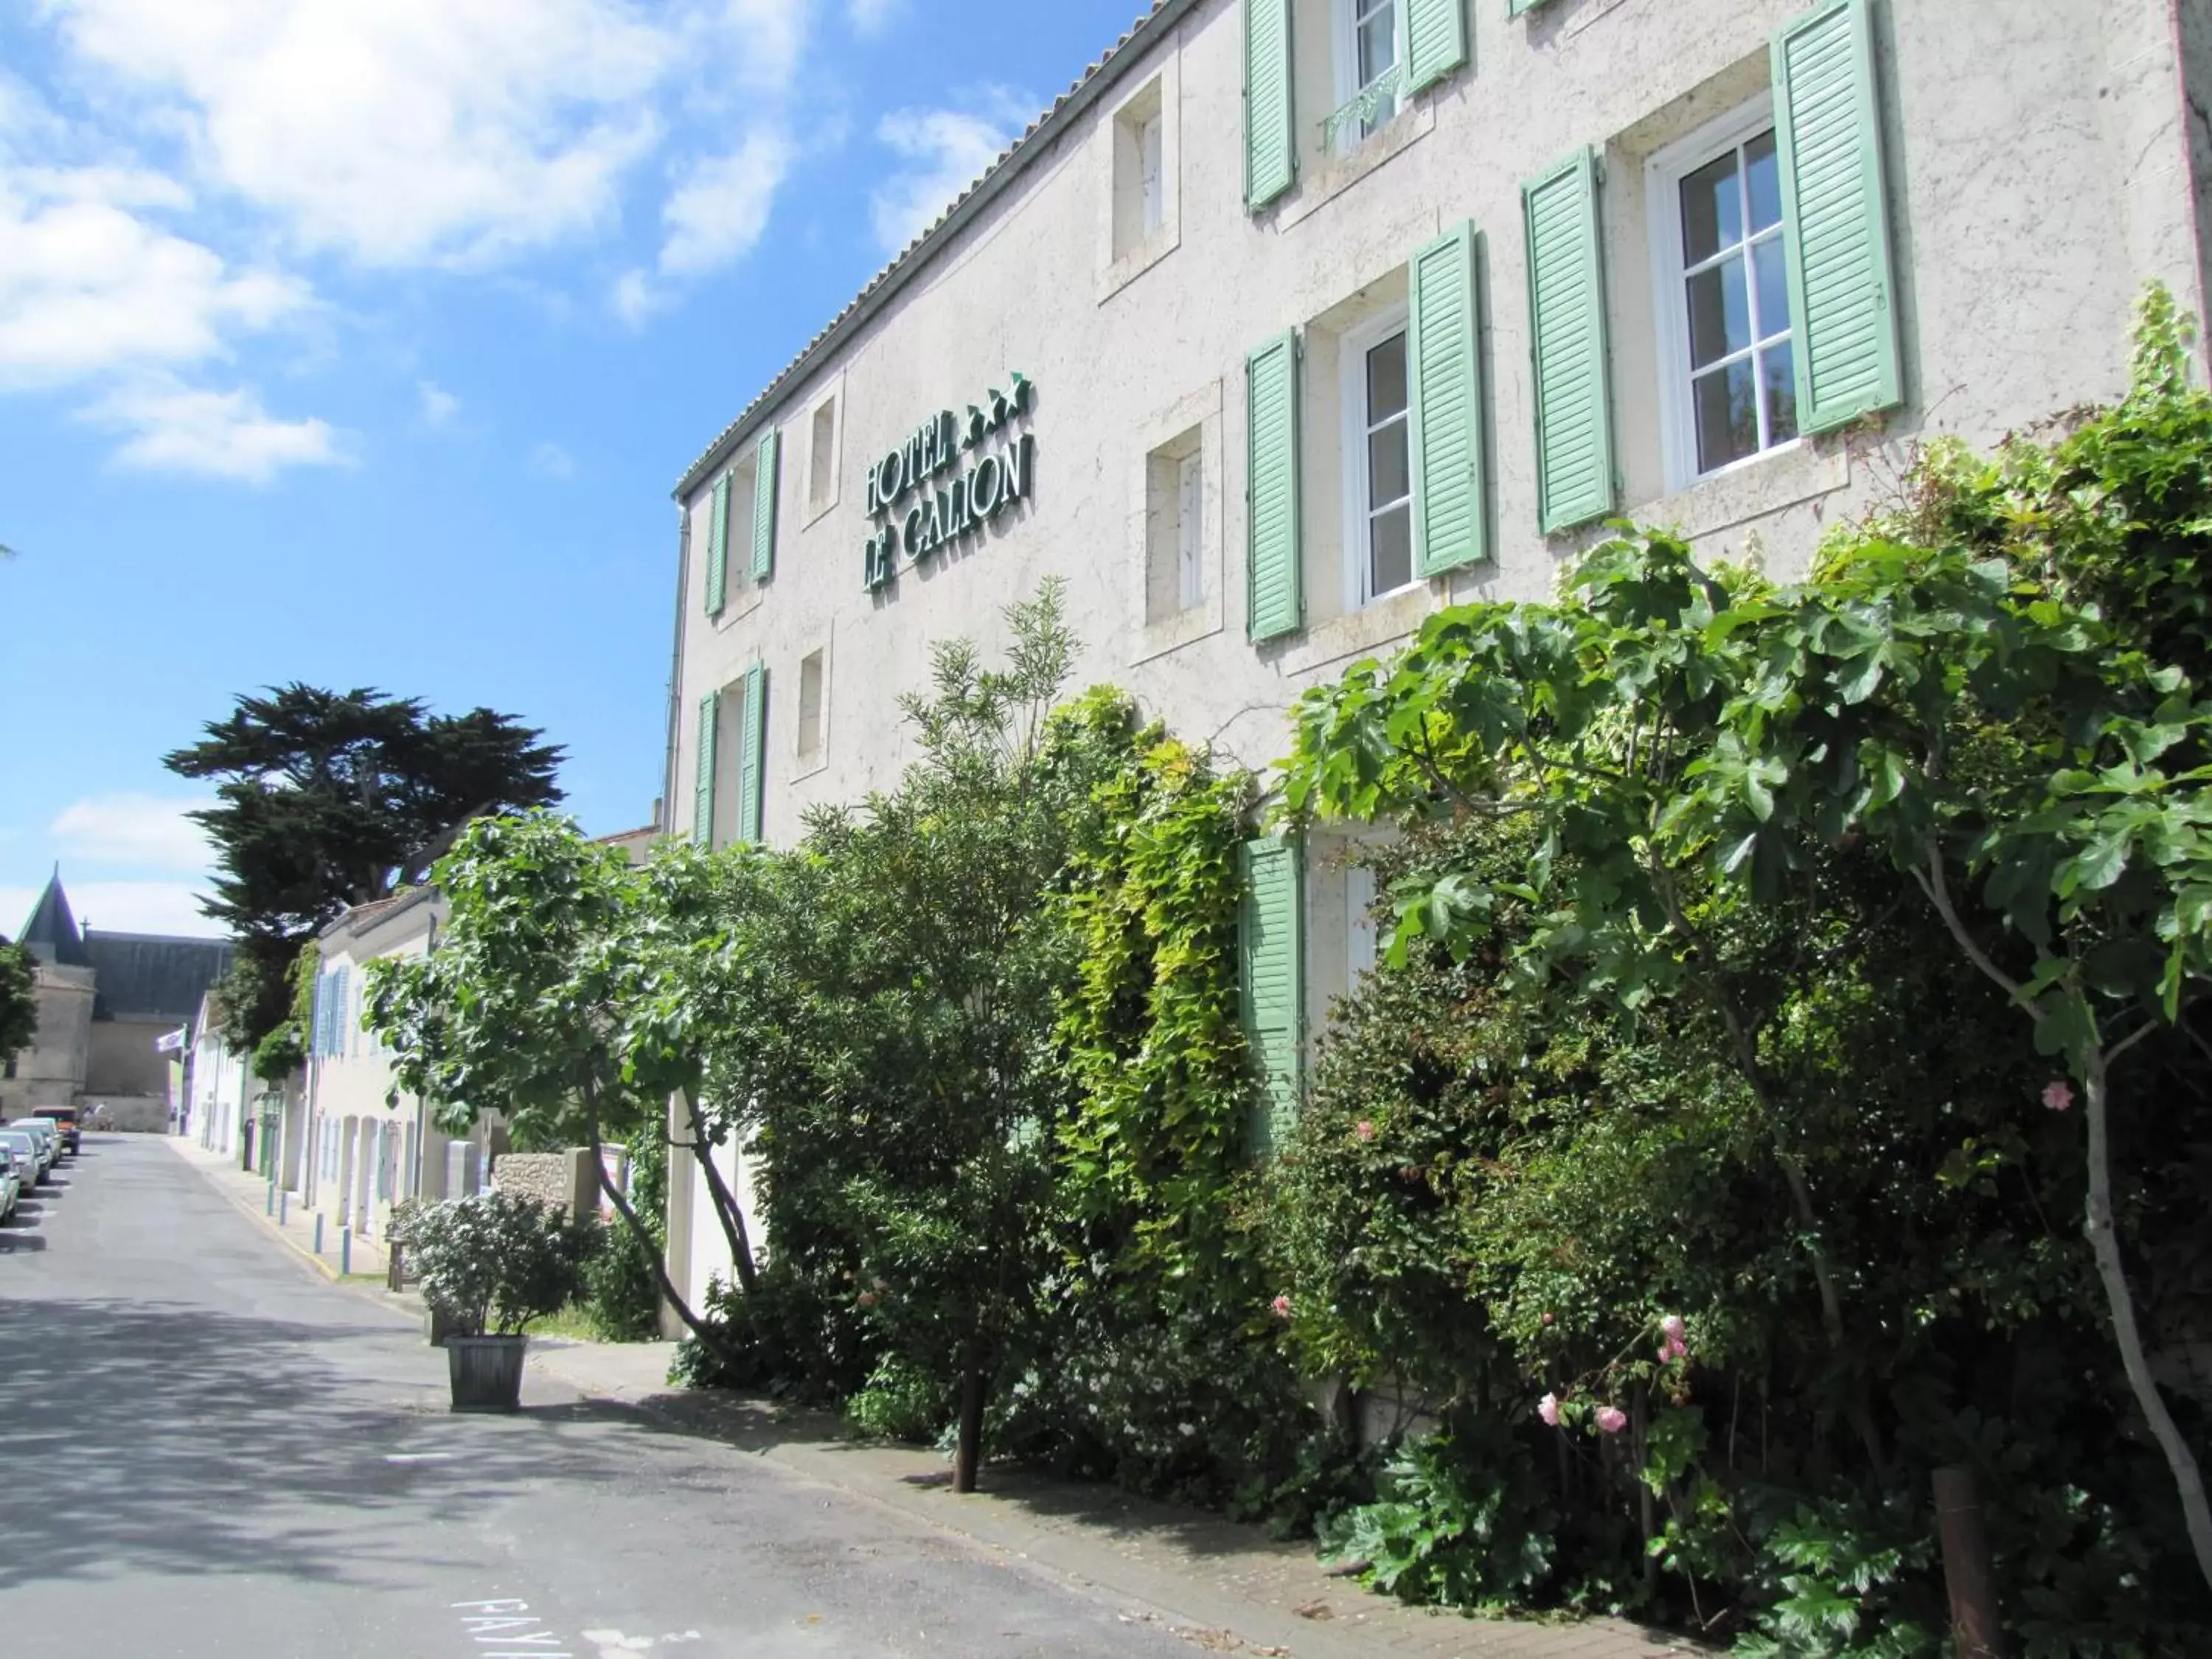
x: 1436, y: 40
x: 1275, y: 601
x: 703, y: 800
x: 1567, y: 344
x: 1835, y: 216
x: 1446, y: 397
x: 752, y: 745
x: 718, y: 546
x: 1271, y: 136
x: 764, y: 481
x: 1271, y: 977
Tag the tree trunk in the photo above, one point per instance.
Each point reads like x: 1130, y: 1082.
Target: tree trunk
x: 2105, y: 1244
x: 707, y: 1337
x: 975, y: 1390
x: 725, y: 1203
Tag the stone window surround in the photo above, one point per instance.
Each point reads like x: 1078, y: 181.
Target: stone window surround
x: 813, y: 503
x: 1201, y: 409
x: 1163, y: 88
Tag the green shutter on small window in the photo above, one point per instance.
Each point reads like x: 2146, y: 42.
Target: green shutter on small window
x: 764, y: 481
x: 1275, y: 601
x: 1271, y: 972
x: 1436, y: 40
x: 1446, y: 397
x: 752, y: 746
x: 702, y: 800
x: 1835, y: 216
x: 718, y: 546
x: 1271, y: 138
x: 1567, y: 344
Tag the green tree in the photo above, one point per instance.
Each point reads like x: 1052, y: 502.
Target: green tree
x: 552, y: 999
x: 19, y: 1010
x: 1689, y: 744
x: 889, y: 1047
x: 327, y: 799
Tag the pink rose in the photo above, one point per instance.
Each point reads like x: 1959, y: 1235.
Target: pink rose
x: 1281, y: 1304
x: 1673, y: 1348
x: 1548, y: 1409
x: 1673, y: 1327
x: 866, y: 1298
x: 1365, y: 1130
x: 2058, y: 1094
x: 1610, y: 1419
x: 1547, y: 1319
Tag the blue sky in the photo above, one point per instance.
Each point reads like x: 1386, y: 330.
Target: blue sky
x: 361, y: 344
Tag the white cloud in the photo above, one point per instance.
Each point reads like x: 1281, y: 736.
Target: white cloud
x: 872, y: 17
x: 552, y: 461
x: 87, y: 287
x: 120, y: 906
x: 411, y: 131
x: 147, y: 832
x: 220, y: 434
x: 944, y: 151
x: 717, y: 213
x: 439, y: 405
x: 634, y: 297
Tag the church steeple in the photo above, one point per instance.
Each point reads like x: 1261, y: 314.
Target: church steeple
x: 51, y: 934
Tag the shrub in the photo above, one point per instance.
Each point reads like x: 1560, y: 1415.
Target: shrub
x: 493, y: 1262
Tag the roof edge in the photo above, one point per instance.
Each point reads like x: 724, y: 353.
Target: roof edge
x: 887, y: 283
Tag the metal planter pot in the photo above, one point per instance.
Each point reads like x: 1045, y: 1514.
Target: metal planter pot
x: 486, y: 1372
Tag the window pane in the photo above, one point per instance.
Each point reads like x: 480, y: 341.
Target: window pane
x: 1772, y: 275
x: 1390, y: 549
x: 1728, y: 416
x: 1378, y: 44
x: 1780, y: 371
x: 1386, y: 380
x: 1388, y: 469
x: 1712, y: 209
x: 1720, y: 313
x: 1764, y: 181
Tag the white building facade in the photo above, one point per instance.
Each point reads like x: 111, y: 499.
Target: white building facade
x: 1295, y: 320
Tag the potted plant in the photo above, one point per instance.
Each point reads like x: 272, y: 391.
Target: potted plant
x: 490, y: 1264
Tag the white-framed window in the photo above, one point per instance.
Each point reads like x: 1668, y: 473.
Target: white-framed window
x: 1140, y: 178
x: 1378, y: 471
x: 821, y: 455
x: 1370, y: 69
x: 1730, y: 390
x: 1358, y: 923
x: 813, y: 705
x: 1190, y: 529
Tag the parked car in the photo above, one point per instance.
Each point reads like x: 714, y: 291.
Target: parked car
x: 63, y: 1118
x: 30, y: 1148
x: 49, y: 1137
x: 11, y: 1183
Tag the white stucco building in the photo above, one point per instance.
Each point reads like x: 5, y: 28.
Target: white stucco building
x: 365, y: 1145
x: 1296, y: 319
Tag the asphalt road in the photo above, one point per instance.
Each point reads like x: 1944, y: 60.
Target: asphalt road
x: 208, y: 1451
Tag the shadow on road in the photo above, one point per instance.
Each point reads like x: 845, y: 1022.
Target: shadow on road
x: 152, y: 1437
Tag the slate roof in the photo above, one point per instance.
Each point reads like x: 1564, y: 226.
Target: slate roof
x: 153, y: 975
x: 1086, y: 89
x: 51, y: 934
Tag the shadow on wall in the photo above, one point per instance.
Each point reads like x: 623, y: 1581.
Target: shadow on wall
x: 178, y: 1440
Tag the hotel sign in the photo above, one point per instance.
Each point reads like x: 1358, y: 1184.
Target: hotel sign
x: 918, y: 509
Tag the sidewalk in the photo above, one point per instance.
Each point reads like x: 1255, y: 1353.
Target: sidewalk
x: 1225, y: 1586
x: 249, y: 1193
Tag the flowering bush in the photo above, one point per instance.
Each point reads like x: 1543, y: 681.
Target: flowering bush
x: 493, y: 1262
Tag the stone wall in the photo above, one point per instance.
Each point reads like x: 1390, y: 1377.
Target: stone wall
x: 559, y: 1178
